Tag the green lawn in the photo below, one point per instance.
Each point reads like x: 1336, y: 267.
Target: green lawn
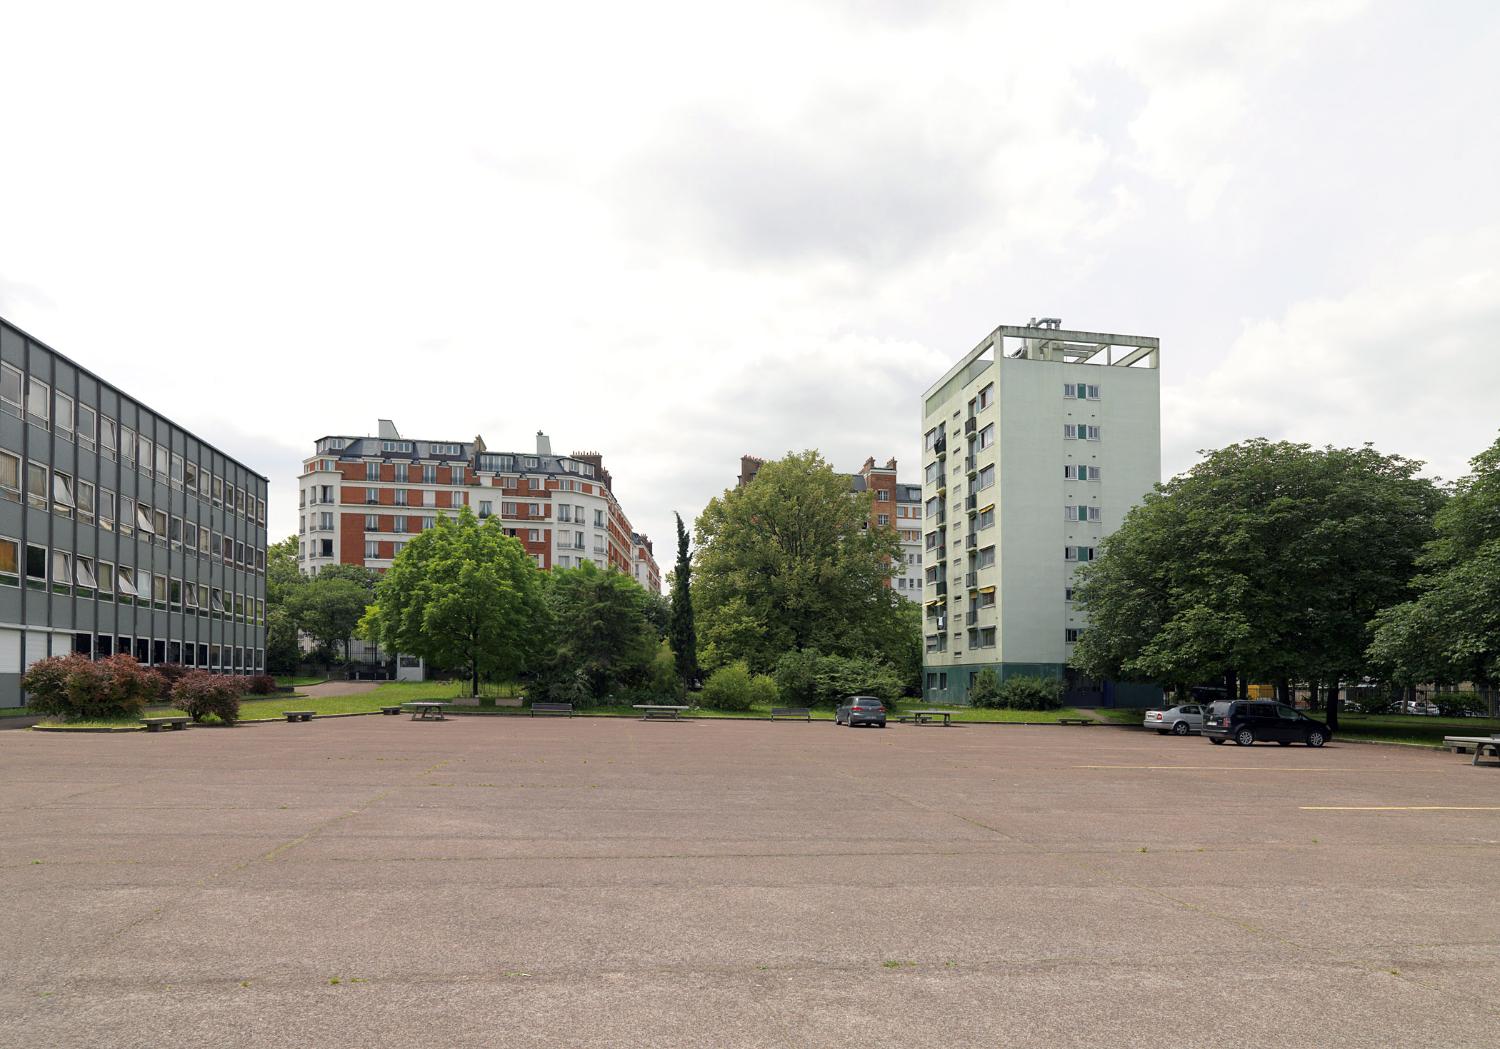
x: 1410, y: 728
x: 298, y: 682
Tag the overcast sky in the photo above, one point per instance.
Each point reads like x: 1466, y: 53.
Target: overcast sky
x: 676, y: 233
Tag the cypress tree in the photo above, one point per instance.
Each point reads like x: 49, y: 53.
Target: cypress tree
x: 681, y: 631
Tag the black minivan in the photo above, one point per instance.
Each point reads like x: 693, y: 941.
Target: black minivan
x: 1249, y: 721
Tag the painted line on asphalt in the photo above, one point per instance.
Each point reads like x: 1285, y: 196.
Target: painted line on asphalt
x: 1233, y: 768
x: 1400, y: 808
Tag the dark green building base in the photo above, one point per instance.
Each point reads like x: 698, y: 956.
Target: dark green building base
x: 949, y: 685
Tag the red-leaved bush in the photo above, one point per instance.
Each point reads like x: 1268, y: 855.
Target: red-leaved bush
x: 76, y: 687
x: 260, y: 685
x: 199, y: 694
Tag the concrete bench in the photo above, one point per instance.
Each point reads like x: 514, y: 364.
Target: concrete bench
x: 1480, y: 745
x: 298, y: 715
x: 1075, y: 721
x: 426, y: 711
x: 791, y: 712
x: 552, y: 708
x: 658, y: 711
x: 391, y: 710
x: 157, y: 724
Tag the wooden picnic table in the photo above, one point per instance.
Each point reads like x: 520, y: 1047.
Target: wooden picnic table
x: 426, y: 711
x: 658, y: 710
x: 921, y: 717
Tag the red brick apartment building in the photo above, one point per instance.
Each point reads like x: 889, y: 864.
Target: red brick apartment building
x: 360, y: 499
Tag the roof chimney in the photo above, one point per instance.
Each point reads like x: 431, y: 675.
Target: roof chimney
x: 543, y: 444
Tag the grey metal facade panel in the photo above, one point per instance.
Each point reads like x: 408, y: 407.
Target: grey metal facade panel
x: 43, y: 609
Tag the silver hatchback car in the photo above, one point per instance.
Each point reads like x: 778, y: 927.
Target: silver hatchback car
x: 1179, y: 720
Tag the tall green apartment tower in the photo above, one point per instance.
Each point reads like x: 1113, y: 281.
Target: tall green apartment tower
x: 1035, y: 446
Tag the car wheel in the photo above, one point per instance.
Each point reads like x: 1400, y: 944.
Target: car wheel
x: 1244, y: 737
x: 1161, y: 732
x: 1180, y: 729
x: 882, y: 724
x: 1315, y: 738
x: 1217, y: 742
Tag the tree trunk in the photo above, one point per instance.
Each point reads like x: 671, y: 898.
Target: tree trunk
x: 1333, y: 706
x: 1229, y: 684
x: 1244, y: 687
x: 1312, y: 695
x: 1284, y: 691
x: 474, y: 678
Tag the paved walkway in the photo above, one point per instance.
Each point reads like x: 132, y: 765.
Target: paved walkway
x: 547, y: 882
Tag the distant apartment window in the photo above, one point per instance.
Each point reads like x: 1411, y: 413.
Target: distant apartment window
x: 159, y: 521
x: 986, y: 519
x: 218, y: 490
x: 143, y: 451
x: 83, y: 572
x: 217, y: 598
x: 486, y: 508
x: 10, y: 561
x: 507, y: 509
x: 1078, y: 553
x: 882, y: 519
x: 372, y: 549
x: 127, y: 445
x: 372, y: 471
x: 429, y: 475
x: 987, y: 436
x: 1080, y: 391
x: 1072, y: 472
x: 86, y: 502
x: 10, y: 389
x: 372, y: 523
x: 986, y: 478
x: 1067, y: 593
x: 533, y: 534
x: 163, y: 460
x: 62, y: 494
x: 109, y: 438
x: 1081, y: 513
x: 38, y: 394
x: 1071, y: 635
x: 882, y: 496
x: 564, y: 512
x: 400, y: 497
x: 987, y: 396
x: 986, y: 557
x: 36, y: 485
x: 457, y: 474
x: 143, y: 519
x: 533, y: 484
x: 398, y: 523
x: 10, y: 476
x: 986, y: 600
x: 1080, y: 432
x: 534, y: 509
x: 430, y: 499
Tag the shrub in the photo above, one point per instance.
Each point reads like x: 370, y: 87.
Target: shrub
x: 985, y: 691
x: 260, y: 685
x: 797, y: 677
x: 1459, y: 704
x: 75, y: 687
x: 729, y: 688
x: 661, y: 678
x: 570, y: 687
x: 1374, y: 702
x: 172, y: 672
x: 199, y: 694
x: 763, y: 691
x: 1030, y: 693
x: 809, y: 678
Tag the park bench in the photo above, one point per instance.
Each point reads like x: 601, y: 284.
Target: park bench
x: 298, y: 715
x: 157, y: 724
x: 391, y: 710
x: 925, y: 717
x: 791, y: 712
x: 1075, y: 721
x: 1480, y: 745
x: 658, y: 711
x: 426, y: 711
x: 552, y: 708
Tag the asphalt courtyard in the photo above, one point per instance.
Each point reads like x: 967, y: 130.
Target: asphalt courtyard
x: 377, y: 882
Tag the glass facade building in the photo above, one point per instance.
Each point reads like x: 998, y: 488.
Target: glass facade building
x: 119, y: 530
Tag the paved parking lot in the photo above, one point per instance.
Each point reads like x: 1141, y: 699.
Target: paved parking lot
x: 527, y: 882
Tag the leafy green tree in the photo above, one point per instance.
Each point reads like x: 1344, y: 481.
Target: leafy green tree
x: 328, y: 609
x: 599, y: 626
x: 681, y: 631
x: 1450, y: 630
x: 1266, y: 561
x: 790, y: 562
x: 461, y: 594
x: 812, y: 679
x: 283, y: 581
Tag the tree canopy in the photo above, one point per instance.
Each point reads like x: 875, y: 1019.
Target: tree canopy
x: 790, y: 562
x: 1450, y: 631
x: 1266, y: 560
x: 600, y: 628
x: 462, y: 593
